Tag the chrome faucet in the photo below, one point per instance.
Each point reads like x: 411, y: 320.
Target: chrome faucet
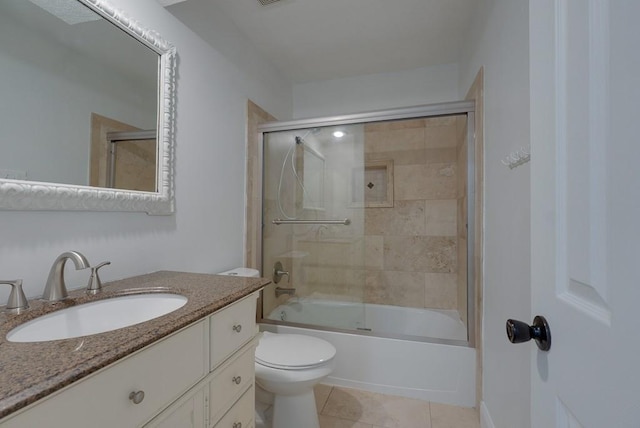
x: 56, y: 289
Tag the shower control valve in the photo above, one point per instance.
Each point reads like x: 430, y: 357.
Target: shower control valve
x: 278, y: 273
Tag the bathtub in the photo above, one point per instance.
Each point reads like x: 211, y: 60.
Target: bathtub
x: 440, y: 370
x: 384, y: 320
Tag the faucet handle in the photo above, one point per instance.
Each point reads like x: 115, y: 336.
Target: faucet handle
x: 279, y: 272
x: 95, y: 285
x: 17, y: 300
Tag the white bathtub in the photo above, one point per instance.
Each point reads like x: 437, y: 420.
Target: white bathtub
x: 436, y: 372
x: 381, y: 319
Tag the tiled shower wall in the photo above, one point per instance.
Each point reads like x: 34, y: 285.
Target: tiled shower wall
x: 412, y: 249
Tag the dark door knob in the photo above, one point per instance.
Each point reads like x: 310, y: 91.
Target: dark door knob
x: 519, y: 332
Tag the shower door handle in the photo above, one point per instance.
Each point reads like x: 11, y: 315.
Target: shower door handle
x: 520, y: 332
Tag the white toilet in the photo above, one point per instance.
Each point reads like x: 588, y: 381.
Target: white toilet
x: 287, y: 367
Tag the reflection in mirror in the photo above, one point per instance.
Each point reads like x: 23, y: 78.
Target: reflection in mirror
x: 84, y: 105
x: 122, y: 156
x: 59, y: 65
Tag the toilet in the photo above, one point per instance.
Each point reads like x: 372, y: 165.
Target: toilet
x: 287, y: 367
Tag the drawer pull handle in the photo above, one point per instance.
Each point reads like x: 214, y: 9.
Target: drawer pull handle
x: 136, y: 397
x: 237, y: 328
x: 237, y: 380
x: 237, y: 425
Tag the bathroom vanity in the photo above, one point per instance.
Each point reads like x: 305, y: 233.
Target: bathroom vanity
x: 193, y: 367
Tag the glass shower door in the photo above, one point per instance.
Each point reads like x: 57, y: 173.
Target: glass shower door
x: 374, y: 223
x: 313, y: 224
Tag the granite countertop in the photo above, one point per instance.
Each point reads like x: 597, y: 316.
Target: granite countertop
x: 30, y: 371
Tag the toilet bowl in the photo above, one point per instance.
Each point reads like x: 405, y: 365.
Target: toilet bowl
x: 287, y: 367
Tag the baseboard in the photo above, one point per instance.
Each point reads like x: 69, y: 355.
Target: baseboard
x: 485, y: 417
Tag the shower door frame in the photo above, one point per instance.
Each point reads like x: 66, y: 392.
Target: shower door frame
x: 423, y: 111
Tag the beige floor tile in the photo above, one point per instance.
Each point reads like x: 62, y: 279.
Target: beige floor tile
x: 447, y: 416
x: 322, y: 393
x: 377, y: 409
x: 333, y: 422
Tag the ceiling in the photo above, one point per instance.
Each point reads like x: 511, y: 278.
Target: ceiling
x: 312, y: 40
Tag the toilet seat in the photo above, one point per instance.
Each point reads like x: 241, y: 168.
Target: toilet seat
x: 293, y: 351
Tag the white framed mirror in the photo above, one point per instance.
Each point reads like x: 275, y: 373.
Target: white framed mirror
x: 87, y: 115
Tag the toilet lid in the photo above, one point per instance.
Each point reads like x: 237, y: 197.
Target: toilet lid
x: 293, y: 351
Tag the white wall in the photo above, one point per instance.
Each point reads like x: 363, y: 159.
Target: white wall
x: 498, y: 40
x: 376, y: 91
x: 206, y: 232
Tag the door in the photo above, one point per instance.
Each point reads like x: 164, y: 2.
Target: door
x: 312, y: 226
x: 585, y: 87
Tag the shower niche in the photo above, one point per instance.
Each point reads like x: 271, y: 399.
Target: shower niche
x: 373, y: 186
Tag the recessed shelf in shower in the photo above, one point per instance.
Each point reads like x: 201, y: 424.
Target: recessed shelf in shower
x: 373, y: 186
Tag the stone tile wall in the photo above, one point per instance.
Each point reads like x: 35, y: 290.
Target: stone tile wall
x: 412, y: 249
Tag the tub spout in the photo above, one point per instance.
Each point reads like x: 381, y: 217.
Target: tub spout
x: 281, y: 290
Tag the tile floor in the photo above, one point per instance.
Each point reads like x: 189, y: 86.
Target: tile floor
x: 351, y: 408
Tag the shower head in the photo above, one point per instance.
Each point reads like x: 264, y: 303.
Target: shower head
x: 314, y: 131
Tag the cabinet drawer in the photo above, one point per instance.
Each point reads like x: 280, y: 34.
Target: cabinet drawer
x: 163, y: 371
x: 241, y: 414
x: 230, y: 381
x: 232, y: 327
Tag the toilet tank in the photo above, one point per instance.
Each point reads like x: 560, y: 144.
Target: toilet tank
x: 241, y: 271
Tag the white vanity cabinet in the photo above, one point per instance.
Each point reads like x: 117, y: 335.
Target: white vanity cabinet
x: 220, y: 400
x: 231, y: 379
x: 182, y: 385
x: 226, y: 390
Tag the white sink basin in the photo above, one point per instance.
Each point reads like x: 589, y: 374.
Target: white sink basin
x: 97, y: 317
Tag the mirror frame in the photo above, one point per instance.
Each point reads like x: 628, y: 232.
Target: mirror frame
x: 41, y: 196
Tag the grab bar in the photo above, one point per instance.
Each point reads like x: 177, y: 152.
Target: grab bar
x: 345, y: 222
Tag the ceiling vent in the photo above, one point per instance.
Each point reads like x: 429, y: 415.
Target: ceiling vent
x: 267, y: 2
